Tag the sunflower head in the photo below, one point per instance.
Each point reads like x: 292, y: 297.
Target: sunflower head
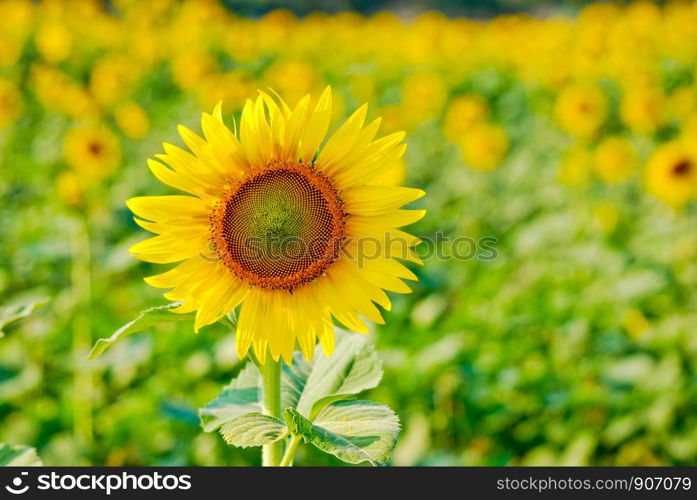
x: 54, y: 42
x: 132, y: 120
x: 671, y: 174
x: 484, y: 147
x: 293, y: 229
x: 614, y: 159
x: 643, y: 109
x: 581, y: 110
x: 280, y: 227
x: 92, y: 150
x: 463, y: 113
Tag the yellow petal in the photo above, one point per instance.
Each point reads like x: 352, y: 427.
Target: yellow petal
x: 342, y: 140
x: 316, y: 128
x: 213, y: 305
x: 164, y: 208
x: 376, y: 200
x: 164, y: 249
x: 179, y: 180
x: 169, y: 279
x: 248, y: 325
x: 224, y: 146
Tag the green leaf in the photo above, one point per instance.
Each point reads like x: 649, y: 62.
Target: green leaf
x: 253, y: 429
x: 238, y: 398
x: 293, y: 380
x: 17, y: 455
x: 147, y: 319
x: 12, y: 313
x: 353, y: 431
x: 306, y: 387
x: 353, y: 368
x: 237, y: 412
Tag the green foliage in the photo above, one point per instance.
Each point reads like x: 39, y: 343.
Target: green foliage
x: 12, y: 313
x: 149, y: 318
x: 315, y: 396
x: 354, y: 431
x: 354, y: 367
x: 13, y: 455
x: 240, y: 397
x: 253, y: 429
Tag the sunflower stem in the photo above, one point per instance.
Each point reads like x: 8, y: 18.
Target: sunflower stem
x: 287, y: 459
x: 271, y: 403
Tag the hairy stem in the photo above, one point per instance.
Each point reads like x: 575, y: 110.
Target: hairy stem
x: 271, y: 403
x: 287, y: 459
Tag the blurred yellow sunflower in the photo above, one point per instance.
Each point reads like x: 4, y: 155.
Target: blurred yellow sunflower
x: 643, y: 109
x: 484, y: 147
x: 132, y: 120
x: 463, y: 113
x: 291, y: 233
x: 112, y: 78
x: 54, y: 42
x: 10, y: 103
x: 671, y: 174
x: 581, y: 110
x: 683, y: 102
x: 615, y: 159
x: 92, y: 150
x: 424, y: 94
x: 70, y: 188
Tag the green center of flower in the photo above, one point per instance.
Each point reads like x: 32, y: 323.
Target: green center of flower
x: 273, y: 214
x: 281, y: 227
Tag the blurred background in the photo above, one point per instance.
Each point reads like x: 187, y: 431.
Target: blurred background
x: 566, y: 131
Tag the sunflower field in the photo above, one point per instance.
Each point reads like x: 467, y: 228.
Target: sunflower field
x: 555, y: 317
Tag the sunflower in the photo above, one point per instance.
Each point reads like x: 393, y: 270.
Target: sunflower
x: 70, y: 188
x: 292, y: 234
x: 54, y: 42
x: 484, y: 147
x: 615, y: 159
x: 132, y: 120
x: 92, y: 150
x: 10, y: 104
x: 643, y: 109
x: 581, y: 110
x: 671, y: 174
x: 463, y: 113
x: 112, y: 78
x: 424, y: 94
